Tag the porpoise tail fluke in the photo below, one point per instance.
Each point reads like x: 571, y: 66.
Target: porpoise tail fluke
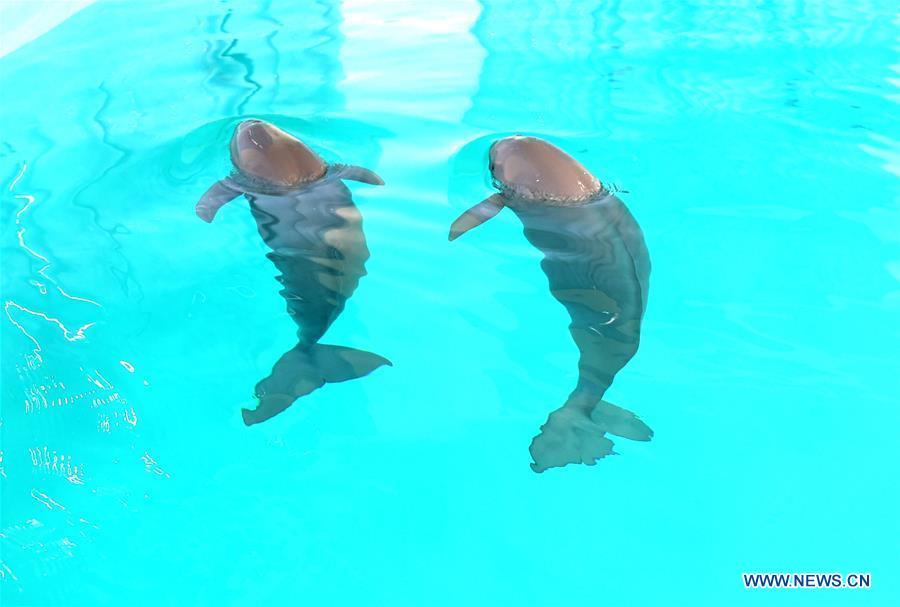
x: 576, y: 433
x: 305, y: 368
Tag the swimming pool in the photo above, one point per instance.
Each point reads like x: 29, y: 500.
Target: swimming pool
x: 757, y: 145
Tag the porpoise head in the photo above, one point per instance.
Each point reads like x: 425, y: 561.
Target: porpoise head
x: 265, y: 153
x: 532, y: 169
x: 529, y: 172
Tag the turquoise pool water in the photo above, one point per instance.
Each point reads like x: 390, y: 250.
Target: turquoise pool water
x: 757, y: 143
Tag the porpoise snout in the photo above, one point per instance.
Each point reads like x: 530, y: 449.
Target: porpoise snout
x: 253, y: 133
x: 503, y: 148
x: 248, y: 123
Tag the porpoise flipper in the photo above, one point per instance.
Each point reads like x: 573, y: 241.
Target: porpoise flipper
x: 305, y: 368
x: 476, y: 216
x: 219, y: 194
x: 358, y: 173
